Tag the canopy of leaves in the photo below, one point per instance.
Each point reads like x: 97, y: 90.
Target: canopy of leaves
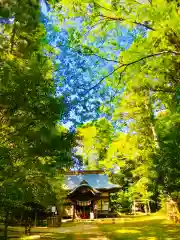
x: 146, y: 80
x: 34, y: 147
x: 95, y: 138
x: 78, y: 67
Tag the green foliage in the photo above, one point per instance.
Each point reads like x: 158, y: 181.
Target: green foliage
x: 121, y: 202
x: 168, y: 155
x: 148, y: 73
x: 34, y: 147
x: 95, y: 138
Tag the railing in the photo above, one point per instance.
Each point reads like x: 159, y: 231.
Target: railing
x: 53, y: 221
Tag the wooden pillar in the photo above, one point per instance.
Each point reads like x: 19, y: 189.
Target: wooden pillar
x: 109, y: 204
x: 95, y: 209
x: 74, y: 210
x: 84, y: 212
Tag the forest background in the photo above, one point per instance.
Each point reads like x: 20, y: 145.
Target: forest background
x: 89, y: 84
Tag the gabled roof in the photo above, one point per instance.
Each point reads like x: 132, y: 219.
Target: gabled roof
x: 97, y: 181
x: 93, y: 190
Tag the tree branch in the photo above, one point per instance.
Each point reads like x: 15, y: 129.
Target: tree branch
x: 164, y: 90
x: 93, y: 26
x: 119, y: 82
x: 96, y: 24
x: 129, y: 64
x: 90, y: 54
x: 100, y: 6
x: 123, y: 19
x: 102, y: 79
x: 108, y: 60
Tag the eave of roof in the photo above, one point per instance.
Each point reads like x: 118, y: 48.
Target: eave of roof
x: 94, y: 191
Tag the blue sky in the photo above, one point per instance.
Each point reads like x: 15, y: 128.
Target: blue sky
x: 44, y: 8
x: 77, y: 73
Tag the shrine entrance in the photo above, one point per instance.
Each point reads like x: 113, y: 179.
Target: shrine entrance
x: 84, y: 199
x: 83, y: 209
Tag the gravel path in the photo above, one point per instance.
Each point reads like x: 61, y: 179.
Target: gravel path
x: 81, y: 231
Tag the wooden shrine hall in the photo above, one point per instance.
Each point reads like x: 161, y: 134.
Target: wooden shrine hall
x: 88, y: 195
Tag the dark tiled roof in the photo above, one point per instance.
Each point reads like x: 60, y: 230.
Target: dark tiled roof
x: 93, y: 190
x: 97, y: 181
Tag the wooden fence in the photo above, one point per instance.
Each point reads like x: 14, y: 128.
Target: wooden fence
x: 53, y: 221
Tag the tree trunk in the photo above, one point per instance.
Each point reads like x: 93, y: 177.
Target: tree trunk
x: 149, y: 208
x: 134, y: 208
x: 149, y: 108
x: 36, y: 219
x: 21, y: 219
x: 6, y: 221
x: 154, y: 135
x: 60, y: 209
x: 145, y: 208
x: 13, y: 36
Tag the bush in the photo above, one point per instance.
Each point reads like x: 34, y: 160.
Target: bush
x: 120, y: 202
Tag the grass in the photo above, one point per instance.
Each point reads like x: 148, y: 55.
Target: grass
x: 136, y: 228
x: 145, y: 228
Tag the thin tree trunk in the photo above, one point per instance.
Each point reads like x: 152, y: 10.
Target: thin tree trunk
x: 149, y: 208
x: 36, y: 219
x: 21, y: 219
x: 6, y: 221
x: 148, y: 106
x: 145, y: 209
x: 13, y: 36
x: 154, y: 135
x: 134, y: 208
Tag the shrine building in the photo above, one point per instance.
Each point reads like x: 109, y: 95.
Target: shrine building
x: 88, y: 195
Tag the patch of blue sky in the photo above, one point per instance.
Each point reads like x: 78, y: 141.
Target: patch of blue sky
x: 44, y: 7
x: 76, y: 73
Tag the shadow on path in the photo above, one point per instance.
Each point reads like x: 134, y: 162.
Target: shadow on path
x: 145, y: 230
x: 82, y: 231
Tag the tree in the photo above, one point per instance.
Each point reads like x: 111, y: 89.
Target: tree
x: 157, y: 41
x: 95, y: 138
x: 146, y: 78
x: 33, y: 145
x: 167, y: 158
x: 79, y: 67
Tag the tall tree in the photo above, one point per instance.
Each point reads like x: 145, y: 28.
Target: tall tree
x: 146, y: 76
x: 33, y: 145
x: 79, y: 67
x: 95, y: 139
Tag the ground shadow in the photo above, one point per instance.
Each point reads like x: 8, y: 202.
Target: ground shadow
x: 137, y: 229
x: 141, y: 230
